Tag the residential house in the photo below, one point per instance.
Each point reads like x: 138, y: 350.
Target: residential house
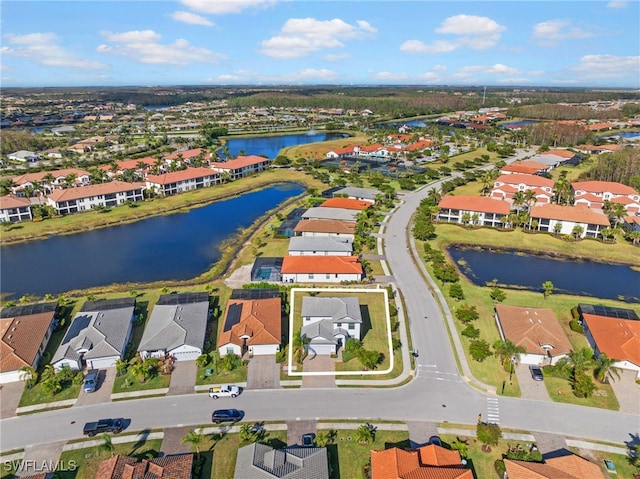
x: 629, y: 223
x: 24, y: 155
x: 346, y: 204
x: 321, y: 213
x: 54, y: 153
x: 427, y: 462
x: 337, y: 228
x: 506, y: 186
x: 135, y: 165
x: 319, y: 246
x: 327, y: 322
x: 24, y: 334
x: 594, y: 193
x: 252, y: 325
x: 241, y: 166
x: 175, y: 182
x: 364, y: 194
x: 478, y: 210
x: 178, y: 466
x: 535, y: 329
x: 553, y: 158
x: 14, y: 209
x: 105, y: 195
x: 187, y: 155
x: 563, y: 219
x: 97, y: 336
x: 260, y: 461
x: 597, y: 149
x: 342, y: 152
x: 321, y: 269
x: 59, y: 179
x: 618, y: 338
x: 525, y: 168
x: 563, y: 467
x: 177, y: 327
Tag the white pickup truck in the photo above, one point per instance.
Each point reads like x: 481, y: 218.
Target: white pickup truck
x: 223, y: 390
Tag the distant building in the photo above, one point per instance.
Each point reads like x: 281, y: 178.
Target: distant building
x: 107, y: 195
x: 184, y: 180
x: 479, y: 209
x: 14, y: 209
x: 24, y: 155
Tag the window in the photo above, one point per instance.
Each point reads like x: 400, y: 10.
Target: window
x: 351, y: 326
x: 310, y: 275
x: 338, y: 325
x: 230, y: 351
x: 327, y: 276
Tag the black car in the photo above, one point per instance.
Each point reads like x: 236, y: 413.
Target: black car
x: 536, y: 372
x: 103, y: 425
x: 435, y: 440
x: 226, y: 415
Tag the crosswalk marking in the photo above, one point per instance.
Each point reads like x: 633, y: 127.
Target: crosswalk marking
x: 493, y: 410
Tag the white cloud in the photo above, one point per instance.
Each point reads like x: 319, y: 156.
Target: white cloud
x: 608, y: 66
x: 302, y: 36
x: 471, y: 71
x: 389, y: 76
x: 143, y: 46
x: 336, y: 57
x: 308, y: 75
x: 549, y: 33
x: 43, y: 48
x: 226, y: 79
x: 477, y: 33
x: 513, y: 81
x: 191, y: 18
x: 617, y: 4
x: 221, y: 7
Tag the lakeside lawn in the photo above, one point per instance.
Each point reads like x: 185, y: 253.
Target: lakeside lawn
x: 318, y: 150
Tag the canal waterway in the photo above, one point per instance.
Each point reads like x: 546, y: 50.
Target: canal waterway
x: 525, y: 271
x: 172, y: 247
x: 270, y: 146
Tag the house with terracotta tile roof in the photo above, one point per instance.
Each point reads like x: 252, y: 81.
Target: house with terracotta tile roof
x: 176, y: 466
x: 506, y: 186
x: 251, y: 325
x: 341, y: 152
x: 346, y: 204
x: 14, y: 209
x: 597, y: 149
x: 427, y: 462
x: 24, y: 334
x: 322, y: 213
x: 327, y: 322
x: 481, y: 210
x: 107, y: 195
x: 594, y: 193
x: 82, y: 178
x: 175, y: 182
x: 125, y: 165
x: 524, y: 168
x: 535, y: 329
x: 320, y: 269
x: 570, y: 466
x: 242, y: 166
x: 562, y: 219
x: 319, y: 246
x: 337, y: 228
x: 618, y: 338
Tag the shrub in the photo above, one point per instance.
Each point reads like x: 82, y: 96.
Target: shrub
x: 488, y: 433
x: 576, y: 326
x: 471, y: 332
x: 500, y: 467
x: 479, y: 350
x: 466, y: 313
x: 575, y: 314
x: 456, y: 292
x: 582, y: 385
x: 281, y: 356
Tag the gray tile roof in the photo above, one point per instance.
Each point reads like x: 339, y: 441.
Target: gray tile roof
x: 321, y: 212
x: 352, y: 191
x: 319, y: 332
x: 103, y: 333
x: 258, y: 461
x: 174, y: 325
x: 319, y: 243
x: 340, y: 310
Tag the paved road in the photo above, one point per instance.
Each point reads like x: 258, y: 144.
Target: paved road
x: 437, y: 394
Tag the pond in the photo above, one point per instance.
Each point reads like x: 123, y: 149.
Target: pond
x: 172, y: 247
x: 570, y: 276
x: 270, y: 146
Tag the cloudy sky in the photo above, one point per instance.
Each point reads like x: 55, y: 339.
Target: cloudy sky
x: 265, y: 42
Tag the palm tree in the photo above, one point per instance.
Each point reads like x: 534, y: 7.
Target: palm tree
x: 107, y: 444
x: 29, y: 375
x: 518, y: 199
x: 365, y: 434
x: 618, y: 212
x: 577, y: 231
x: 70, y: 180
x: 634, y: 236
x: 508, y: 352
x: 194, y: 437
x: 605, y: 366
x: 577, y: 361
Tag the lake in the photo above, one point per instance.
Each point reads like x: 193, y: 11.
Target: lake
x: 585, y: 278
x: 519, y: 123
x: 172, y: 247
x: 270, y: 146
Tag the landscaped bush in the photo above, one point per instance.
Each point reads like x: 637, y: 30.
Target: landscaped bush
x: 576, y: 326
x: 582, y: 385
x: 488, y: 434
x: 479, y: 350
x: 500, y: 468
x: 471, y: 332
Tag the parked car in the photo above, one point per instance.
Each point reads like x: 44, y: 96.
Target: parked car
x: 103, y: 425
x: 91, y: 381
x: 435, y: 440
x: 309, y: 440
x: 223, y: 390
x: 536, y: 372
x: 226, y: 415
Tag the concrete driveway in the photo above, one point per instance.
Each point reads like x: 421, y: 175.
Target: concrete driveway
x: 295, y: 430
x: 530, y: 389
x: 10, y: 394
x: 263, y: 372
x: 317, y: 363
x: 106, y: 378
x: 627, y: 392
x: 183, y: 378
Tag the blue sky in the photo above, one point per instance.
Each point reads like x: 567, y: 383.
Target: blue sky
x: 267, y: 42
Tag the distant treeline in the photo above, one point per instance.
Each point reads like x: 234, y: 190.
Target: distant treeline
x: 554, y: 134
x: 12, y: 141
x: 621, y: 166
x: 550, y: 111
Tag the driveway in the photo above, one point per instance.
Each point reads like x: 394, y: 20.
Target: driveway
x: 295, y: 430
x: 627, y: 391
x: 102, y: 394
x: 172, y: 440
x: 263, y: 372
x: 183, y: 378
x: 318, y: 363
x: 11, y: 394
x: 529, y: 388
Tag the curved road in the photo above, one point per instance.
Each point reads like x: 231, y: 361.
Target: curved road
x: 438, y: 392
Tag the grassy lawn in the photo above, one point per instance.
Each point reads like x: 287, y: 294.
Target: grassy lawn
x: 128, y: 383
x: 560, y: 391
x: 238, y: 375
x: 319, y: 150
x: 37, y: 395
x: 88, y: 460
x: 376, y: 267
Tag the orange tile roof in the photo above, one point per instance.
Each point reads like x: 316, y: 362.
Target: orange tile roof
x: 321, y: 264
x: 393, y: 463
x: 475, y: 203
x: 31, y: 177
x: 599, y: 126
x: 602, y: 187
x: 93, y: 190
x: 126, y: 467
x: 525, y: 167
x: 185, y: 154
x: 619, y: 339
x: 240, y: 162
x: 21, y: 338
x: 532, y: 328
x: 371, y: 148
x: 528, y: 180
x: 433, y: 455
x: 397, y: 463
x: 419, y: 145
x: 562, y: 153
x: 565, y: 467
x: 325, y: 226
x: 346, y: 203
x: 342, y: 151
x: 576, y: 466
x: 133, y: 164
x: 9, y: 202
x: 577, y: 214
x: 181, y: 175
x: 259, y: 319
